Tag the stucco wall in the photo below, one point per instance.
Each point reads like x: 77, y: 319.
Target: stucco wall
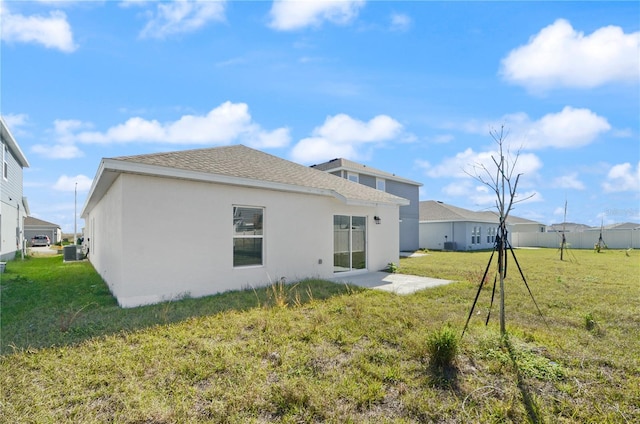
x: 106, y: 237
x: 432, y: 235
x: 174, y: 237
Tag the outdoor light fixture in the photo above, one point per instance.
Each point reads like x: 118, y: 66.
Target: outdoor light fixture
x: 377, y: 219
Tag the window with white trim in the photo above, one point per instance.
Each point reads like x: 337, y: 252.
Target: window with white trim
x: 5, y: 163
x: 491, y: 235
x: 248, y: 236
x: 476, y: 235
x: 353, y: 177
x: 381, y: 184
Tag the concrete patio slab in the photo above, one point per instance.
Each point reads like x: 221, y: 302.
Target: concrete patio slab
x: 412, y: 254
x: 394, y: 283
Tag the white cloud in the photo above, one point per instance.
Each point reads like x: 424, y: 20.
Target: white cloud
x: 342, y: 128
x: 400, y: 22
x: 17, y: 124
x: 560, y: 56
x: 569, y: 181
x: 470, y: 162
x: 64, y: 146
x: 441, y: 138
x: 51, y: 31
x: 58, y: 151
x: 14, y: 121
x: 566, y: 129
x: 569, y: 128
x: 489, y: 198
x: 622, y: 177
x: 64, y: 129
x: 63, y: 134
x: 183, y: 16
x: 458, y: 188
x: 66, y: 183
x: 482, y: 195
x: 289, y: 15
x: 225, y: 124
x: 343, y: 136
x: 531, y: 196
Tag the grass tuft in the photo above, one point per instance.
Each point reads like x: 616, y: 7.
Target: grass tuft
x: 442, y: 346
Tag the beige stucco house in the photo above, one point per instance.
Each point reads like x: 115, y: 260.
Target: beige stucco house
x: 199, y: 222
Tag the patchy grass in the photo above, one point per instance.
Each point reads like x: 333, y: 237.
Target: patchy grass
x: 46, y: 302
x: 358, y: 357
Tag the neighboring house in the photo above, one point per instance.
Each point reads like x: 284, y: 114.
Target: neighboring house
x: 522, y: 225
x: 36, y: 227
x: 389, y: 183
x: 447, y: 227
x: 567, y: 227
x: 624, y: 226
x: 13, y: 206
x: 200, y: 222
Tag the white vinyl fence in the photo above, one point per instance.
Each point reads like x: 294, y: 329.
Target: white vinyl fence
x: 614, y: 239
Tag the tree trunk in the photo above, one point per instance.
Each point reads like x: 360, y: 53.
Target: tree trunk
x: 501, y: 260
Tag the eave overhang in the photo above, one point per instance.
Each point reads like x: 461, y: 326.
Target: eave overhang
x: 110, y: 169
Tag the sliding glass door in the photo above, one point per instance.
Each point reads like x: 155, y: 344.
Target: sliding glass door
x: 349, y: 243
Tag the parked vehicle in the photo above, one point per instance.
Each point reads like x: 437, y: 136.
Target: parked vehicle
x: 40, y: 241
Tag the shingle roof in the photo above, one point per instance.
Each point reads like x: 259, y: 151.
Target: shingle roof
x: 341, y: 163
x: 622, y: 226
x: 517, y: 220
x: 29, y: 220
x: 431, y: 210
x: 568, y: 227
x: 242, y: 162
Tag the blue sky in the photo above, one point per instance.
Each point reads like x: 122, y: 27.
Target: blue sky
x: 413, y: 88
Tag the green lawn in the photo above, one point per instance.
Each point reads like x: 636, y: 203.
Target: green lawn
x: 46, y: 302
x: 319, y: 352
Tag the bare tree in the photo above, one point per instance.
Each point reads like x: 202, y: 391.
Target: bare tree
x: 503, y: 181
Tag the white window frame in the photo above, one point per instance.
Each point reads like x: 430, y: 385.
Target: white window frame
x: 352, y: 176
x: 476, y: 235
x: 381, y: 184
x: 5, y: 163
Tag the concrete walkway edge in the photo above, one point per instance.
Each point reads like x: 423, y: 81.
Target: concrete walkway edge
x: 394, y: 283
